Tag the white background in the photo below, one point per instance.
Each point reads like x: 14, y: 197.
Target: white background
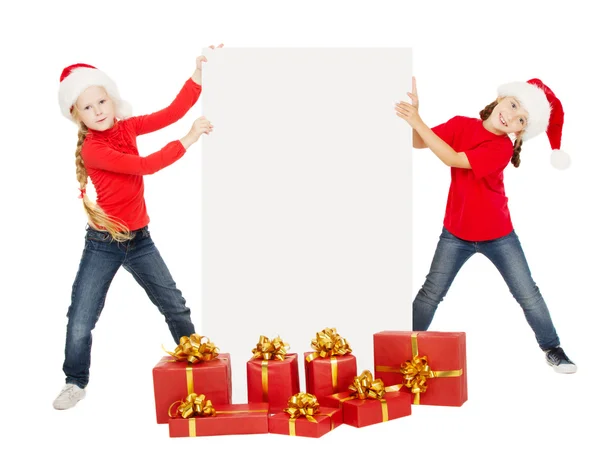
x: 306, y: 224
x: 461, y: 52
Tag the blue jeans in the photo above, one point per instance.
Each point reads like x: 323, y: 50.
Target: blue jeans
x: 508, y: 257
x: 100, y: 261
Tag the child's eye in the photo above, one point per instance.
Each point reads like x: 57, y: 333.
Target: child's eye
x: 87, y: 107
x: 513, y: 105
x: 522, y: 121
x: 102, y: 101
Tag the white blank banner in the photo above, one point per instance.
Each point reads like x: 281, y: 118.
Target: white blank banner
x: 306, y: 199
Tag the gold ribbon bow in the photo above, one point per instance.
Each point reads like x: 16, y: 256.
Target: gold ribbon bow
x: 194, y: 349
x: 267, y: 349
x: 194, y: 406
x: 416, y: 371
x: 365, y: 387
x: 301, y: 405
x: 328, y: 343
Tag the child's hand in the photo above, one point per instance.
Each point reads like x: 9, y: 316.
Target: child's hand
x: 201, y: 59
x: 410, y: 112
x: 197, y: 76
x: 201, y: 126
x: 414, y: 96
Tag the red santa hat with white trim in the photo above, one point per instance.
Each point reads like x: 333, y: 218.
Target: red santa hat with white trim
x: 545, y: 115
x: 77, y: 78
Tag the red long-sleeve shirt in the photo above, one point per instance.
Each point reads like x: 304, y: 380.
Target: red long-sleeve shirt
x: 115, y: 166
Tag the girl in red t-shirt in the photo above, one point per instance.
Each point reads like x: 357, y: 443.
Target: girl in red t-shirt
x: 477, y: 218
x: 117, y: 232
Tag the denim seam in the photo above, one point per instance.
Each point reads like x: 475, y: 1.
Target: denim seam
x: 151, y: 292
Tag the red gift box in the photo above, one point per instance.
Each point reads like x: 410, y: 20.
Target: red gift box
x: 328, y: 376
x: 174, y: 380
x: 435, y: 362
x: 321, y: 423
x: 229, y: 419
x: 272, y: 381
x: 361, y: 413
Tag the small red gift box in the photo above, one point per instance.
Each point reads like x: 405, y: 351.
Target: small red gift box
x: 174, y: 380
x: 273, y: 381
x: 229, y: 419
x: 432, y: 365
x: 361, y: 413
x: 328, y: 376
x: 319, y: 424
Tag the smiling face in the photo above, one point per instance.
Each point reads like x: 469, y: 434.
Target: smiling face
x: 507, y: 117
x: 95, y: 109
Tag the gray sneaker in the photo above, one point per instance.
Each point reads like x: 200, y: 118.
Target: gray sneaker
x: 68, y: 397
x: 556, y: 358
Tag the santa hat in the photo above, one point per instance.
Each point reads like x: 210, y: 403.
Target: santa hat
x: 77, y: 78
x: 545, y: 114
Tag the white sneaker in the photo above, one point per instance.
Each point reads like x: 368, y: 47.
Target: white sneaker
x: 561, y: 363
x: 69, y: 396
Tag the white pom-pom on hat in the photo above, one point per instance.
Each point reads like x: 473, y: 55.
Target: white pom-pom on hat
x: 546, y: 114
x: 77, y: 78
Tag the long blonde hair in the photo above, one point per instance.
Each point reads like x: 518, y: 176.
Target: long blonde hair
x: 97, y: 217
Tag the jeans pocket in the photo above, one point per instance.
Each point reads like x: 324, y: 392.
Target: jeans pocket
x: 97, y: 236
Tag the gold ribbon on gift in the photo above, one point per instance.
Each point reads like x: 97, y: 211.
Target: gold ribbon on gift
x: 329, y: 344
x: 301, y: 405
x: 365, y: 387
x: 193, y: 406
x: 243, y: 411
x: 268, y: 349
x: 265, y: 380
x: 194, y: 349
x: 416, y: 371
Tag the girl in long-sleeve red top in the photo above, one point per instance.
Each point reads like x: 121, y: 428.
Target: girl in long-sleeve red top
x: 117, y: 232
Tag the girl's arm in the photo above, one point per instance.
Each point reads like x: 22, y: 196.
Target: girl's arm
x: 418, y: 141
x: 100, y: 156
x: 442, y: 150
x: 187, y: 97
x: 423, y: 137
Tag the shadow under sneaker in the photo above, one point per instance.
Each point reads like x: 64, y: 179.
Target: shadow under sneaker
x: 556, y: 358
x: 68, y: 397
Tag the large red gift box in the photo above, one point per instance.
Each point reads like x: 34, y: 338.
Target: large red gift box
x: 431, y: 364
x: 229, y: 419
x: 174, y: 380
x: 272, y: 381
x: 328, y: 376
x: 319, y: 424
x: 361, y: 413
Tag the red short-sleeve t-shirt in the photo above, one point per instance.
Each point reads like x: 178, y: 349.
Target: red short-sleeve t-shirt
x: 477, y: 207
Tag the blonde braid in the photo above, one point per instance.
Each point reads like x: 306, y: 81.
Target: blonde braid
x: 97, y: 217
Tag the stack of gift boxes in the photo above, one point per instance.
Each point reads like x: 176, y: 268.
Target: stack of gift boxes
x: 192, y: 386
